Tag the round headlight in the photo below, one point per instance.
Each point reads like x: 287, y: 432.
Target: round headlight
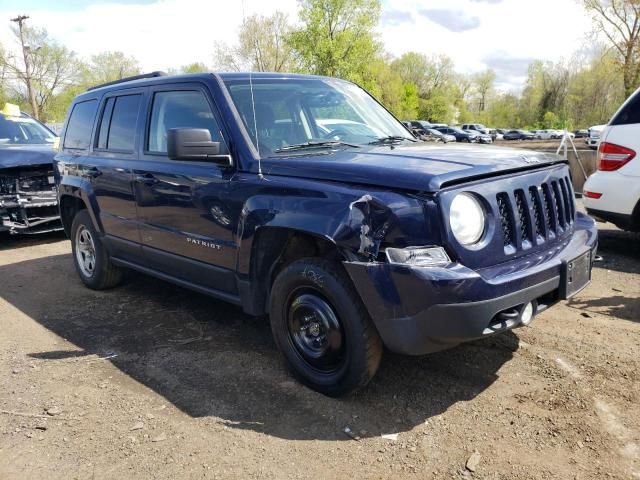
x: 467, y: 219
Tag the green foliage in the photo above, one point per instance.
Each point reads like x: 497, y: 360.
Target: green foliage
x: 336, y: 37
x: 107, y: 67
x: 262, y: 46
x: 410, y: 102
x: 196, y: 67
x: 52, y: 67
x: 436, y: 109
x: 550, y: 120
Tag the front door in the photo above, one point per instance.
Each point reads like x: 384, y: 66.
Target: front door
x: 186, y: 217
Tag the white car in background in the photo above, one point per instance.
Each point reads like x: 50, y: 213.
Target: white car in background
x: 593, y: 138
x: 545, y: 134
x: 561, y: 133
x: 612, y: 193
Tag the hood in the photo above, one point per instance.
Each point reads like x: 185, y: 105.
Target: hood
x: 26, y: 155
x: 420, y: 167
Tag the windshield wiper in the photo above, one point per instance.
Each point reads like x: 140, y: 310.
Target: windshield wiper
x: 391, y: 139
x: 315, y: 144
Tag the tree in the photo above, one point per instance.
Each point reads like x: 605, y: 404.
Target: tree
x: 504, y: 111
x: 42, y: 69
x: 337, y: 36
x: 483, y: 84
x: 412, y: 67
x: 262, y: 46
x: 109, y: 66
x: 595, y: 90
x: 384, y: 83
x: 432, y: 75
x: 195, y: 67
x: 619, y: 22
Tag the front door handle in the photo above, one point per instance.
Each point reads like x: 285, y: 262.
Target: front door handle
x: 93, y: 172
x: 146, y: 179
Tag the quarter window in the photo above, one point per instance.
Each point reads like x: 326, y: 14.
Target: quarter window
x: 180, y: 109
x: 630, y: 114
x: 80, y: 124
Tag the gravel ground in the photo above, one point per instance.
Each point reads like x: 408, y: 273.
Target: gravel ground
x: 152, y: 381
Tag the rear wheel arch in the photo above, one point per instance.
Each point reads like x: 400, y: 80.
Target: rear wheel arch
x: 69, y: 207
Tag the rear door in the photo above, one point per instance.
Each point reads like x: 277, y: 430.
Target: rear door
x: 114, y: 151
x: 186, y: 216
x: 102, y: 156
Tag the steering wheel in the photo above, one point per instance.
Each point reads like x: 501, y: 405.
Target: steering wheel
x: 338, y: 132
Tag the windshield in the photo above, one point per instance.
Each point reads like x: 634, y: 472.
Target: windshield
x: 23, y: 131
x: 298, y: 111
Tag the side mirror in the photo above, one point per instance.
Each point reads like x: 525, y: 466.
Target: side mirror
x: 194, y: 144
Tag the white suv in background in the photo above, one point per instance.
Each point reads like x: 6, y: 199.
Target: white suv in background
x: 613, y: 192
x: 593, y: 138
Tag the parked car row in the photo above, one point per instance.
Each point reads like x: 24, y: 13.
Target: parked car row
x: 479, y: 133
x: 551, y: 134
x: 440, y: 132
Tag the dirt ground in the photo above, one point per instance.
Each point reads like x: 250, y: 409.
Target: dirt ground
x: 152, y: 381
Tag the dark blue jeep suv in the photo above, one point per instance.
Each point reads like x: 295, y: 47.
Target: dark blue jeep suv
x: 302, y: 198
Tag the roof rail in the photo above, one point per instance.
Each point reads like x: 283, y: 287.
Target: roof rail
x: 129, y: 79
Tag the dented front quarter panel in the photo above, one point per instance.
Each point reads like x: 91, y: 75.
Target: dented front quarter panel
x: 359, y: 220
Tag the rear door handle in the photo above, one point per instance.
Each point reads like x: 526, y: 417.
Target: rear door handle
x: 146, y: 179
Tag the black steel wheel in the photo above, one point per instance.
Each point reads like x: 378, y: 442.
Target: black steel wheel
x: 315, y: 331
x: 321, y: 327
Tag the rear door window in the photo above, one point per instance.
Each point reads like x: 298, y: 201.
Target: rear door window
x: 80, y: 124
x: 630, y: 113
x: 118, y: 125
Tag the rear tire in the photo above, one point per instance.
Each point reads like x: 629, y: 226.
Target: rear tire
x: 91, y: 259
x: 322, y: 328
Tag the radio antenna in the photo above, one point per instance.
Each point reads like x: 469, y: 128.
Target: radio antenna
x: 255, y: 125
x: 253, y: 108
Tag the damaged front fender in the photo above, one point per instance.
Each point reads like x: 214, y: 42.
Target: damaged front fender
x: 359, y: 222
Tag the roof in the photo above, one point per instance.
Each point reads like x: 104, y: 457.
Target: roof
x: 156, y: 78
x: 267, y: 76
x: 159, y: 77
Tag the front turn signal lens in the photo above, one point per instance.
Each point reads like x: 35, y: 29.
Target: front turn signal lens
x: 418, y: 256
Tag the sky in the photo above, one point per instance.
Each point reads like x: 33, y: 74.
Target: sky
x: 505, y: 35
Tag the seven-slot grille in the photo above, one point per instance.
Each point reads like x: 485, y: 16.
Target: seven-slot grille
x: 537, y: 214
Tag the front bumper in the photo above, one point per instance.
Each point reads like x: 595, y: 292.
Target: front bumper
x: 423, y: 310
x: 29, y: 216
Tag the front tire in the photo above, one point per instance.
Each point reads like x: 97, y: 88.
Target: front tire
x: 322, y: 328
x: 89, y: 255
